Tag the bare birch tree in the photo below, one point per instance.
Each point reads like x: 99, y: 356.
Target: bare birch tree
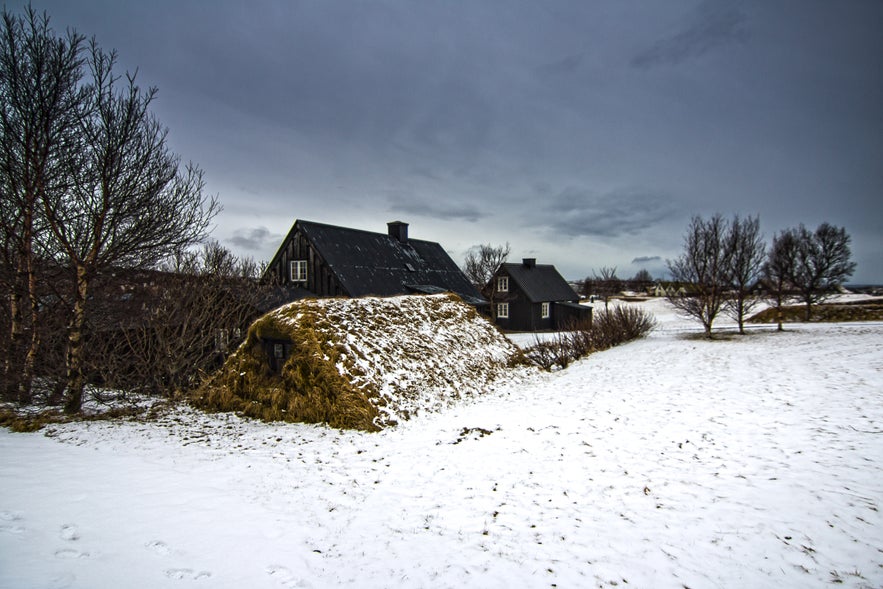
x: 131, y: 204
x: 39, y: 100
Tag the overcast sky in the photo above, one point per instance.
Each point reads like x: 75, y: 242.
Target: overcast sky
x: 584, y: 133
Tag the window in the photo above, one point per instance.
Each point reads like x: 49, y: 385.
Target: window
x: 222, y: 340
x: 503, y: 284
x: 502, y: 310
x: 544, y: 308
x: 298, y: 270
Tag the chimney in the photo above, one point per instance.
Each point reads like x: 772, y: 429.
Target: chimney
x: 529, y: 262
x: 398, y: 231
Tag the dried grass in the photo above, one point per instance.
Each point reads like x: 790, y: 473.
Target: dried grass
x: 871, y: 310
x: 345, y: 371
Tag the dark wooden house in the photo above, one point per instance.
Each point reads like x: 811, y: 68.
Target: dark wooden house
x: 328, y: 261
x: 534, y: 297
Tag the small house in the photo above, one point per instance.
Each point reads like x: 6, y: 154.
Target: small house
x: 533, y: 297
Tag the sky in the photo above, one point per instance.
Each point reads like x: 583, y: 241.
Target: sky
x: 585, y: 134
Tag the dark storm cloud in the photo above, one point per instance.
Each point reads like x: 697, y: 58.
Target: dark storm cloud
x: 713, y: 24
x: 255, y: 239
x: 453, y: 112
x: 646, y: 259
x: 580, y: 212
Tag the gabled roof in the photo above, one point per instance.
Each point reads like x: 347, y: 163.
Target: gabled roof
x: 539, y: 282
x: 367, y: 263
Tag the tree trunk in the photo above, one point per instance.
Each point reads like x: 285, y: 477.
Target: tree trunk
x: 27, y: 374
x: 740, y: 312
x: 808, y: 316
x: 11, y: 371
x: 75, y: 377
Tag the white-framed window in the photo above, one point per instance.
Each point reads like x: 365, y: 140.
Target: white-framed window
x: 544, y: 310
x: 298, y: 270
x: 502, y: 310
x: 502, y: 284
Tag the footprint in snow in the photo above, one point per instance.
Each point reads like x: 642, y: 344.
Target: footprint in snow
x: 64, y: 581
x: 10, y: 522
x: 69, y: 532
x: 158, y: 547
x: 182, y: 574
x: 281, y: 574
x: 68, y: 553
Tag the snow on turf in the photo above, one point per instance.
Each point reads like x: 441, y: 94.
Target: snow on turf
x: 668, y: 462
x: 364, y: 363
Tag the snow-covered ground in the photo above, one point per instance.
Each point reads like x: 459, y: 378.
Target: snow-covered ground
x: 753, y: 461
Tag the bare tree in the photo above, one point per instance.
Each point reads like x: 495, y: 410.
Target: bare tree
x: 482, y: 262
x: 822, y: 263
x: 779, y: 268
x: 605, y: 284
x: 747, y: 252
x: 182, y: 324
x: 39, y: 97
x: 131, y: 204
x: 640, y: 282
x: 642, y: 276
x: 703, y: 270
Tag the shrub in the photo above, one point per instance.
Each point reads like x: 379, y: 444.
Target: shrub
x: 609, y: 328
x: 619, y: 325
x: 549, y: 353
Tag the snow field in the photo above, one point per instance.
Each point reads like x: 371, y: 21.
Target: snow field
x: 668, y: 462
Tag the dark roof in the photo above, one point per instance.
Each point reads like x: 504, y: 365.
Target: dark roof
x: 278, y: 295
x: 539, y: 282
x: 575, y: 306
x: 368, y: 263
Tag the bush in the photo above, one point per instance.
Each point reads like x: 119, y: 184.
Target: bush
x: 609, y: 328
x: 549, y: 353
x: 619, y: 325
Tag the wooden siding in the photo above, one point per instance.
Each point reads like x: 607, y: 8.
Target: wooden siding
x: 320, y: 280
